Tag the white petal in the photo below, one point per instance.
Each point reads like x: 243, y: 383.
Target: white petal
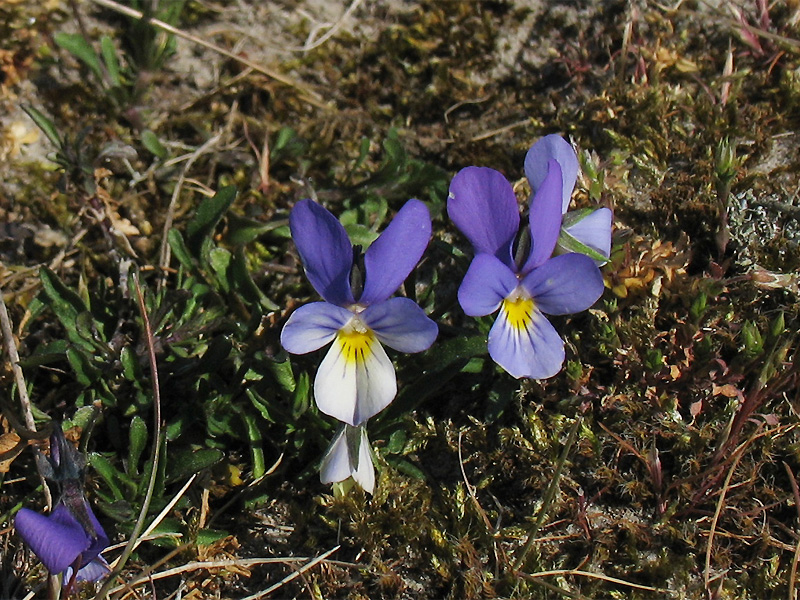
x: 336, y: 462
x: 356, y: 379
x: 344, y: 459
x: 364, y: 475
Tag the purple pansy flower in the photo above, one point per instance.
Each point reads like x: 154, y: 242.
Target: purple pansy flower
x: 349, y: 456
x: 587, y: 231
x: 524, y: 287
x: 356, y: 379
x: 70, y: 536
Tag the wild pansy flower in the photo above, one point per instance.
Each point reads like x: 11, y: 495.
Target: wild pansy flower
x: 349, y: 456
x: 356, y: 379
x: 70, y: 537
x: 523, y: 280
x: 587, y: 231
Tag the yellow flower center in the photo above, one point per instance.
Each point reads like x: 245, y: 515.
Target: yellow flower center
x: 356, y: 340
x: 519, y: 311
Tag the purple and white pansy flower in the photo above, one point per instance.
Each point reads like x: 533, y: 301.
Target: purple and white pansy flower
x: 356, y: 379
x: 587, y: 230
x: 524, y: 280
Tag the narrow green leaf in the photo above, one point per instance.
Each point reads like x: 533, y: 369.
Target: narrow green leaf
x: 571, y: 244
x: 243, y: 283
x: 187, y: 462
x: 85, y: 372
x: 301, y: 399
x: 45, y: 124
x: 76, y: 44
x: 208, y: 215
x: 110, y: 59
x: 179, y: 249
x: 153, y: 144
x: 107, y: 472
x: 137, y: 442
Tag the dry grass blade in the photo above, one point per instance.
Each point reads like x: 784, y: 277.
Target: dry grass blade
x: 307, y: 93
x: 309, y: 565
x: 600, y: 576
x: 720, y: 502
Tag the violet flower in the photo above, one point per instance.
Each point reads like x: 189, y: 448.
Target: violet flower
x: 356, y: 379
x: 524, y: 283
x: 587, y: 231
x: 70, y: 537
x: 348, y: 456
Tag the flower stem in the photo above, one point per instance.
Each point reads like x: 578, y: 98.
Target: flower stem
x: 549, y: 494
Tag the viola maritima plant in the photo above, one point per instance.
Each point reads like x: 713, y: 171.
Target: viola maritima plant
x: 515, y: 271
x: 356, y: 379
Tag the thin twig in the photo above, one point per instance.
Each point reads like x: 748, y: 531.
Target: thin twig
x: 307, y: 93
x: 22, y: 388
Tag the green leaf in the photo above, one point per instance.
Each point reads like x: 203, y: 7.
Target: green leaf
x: 570, y: 244
x: 130, y: 363
x: 85, y: 372
x: 208, y: 215
x: 255, y: 440
x: 243, y: 283
x: 45, y: 124
x: 242, y: 230
x: 282, y: 372
x: 110, y: 59
x: 187, y: 462
x: 406, y: 467
x: 137, y: 442
x: 153, y: 144
x: 65, y: 303
x: 397, y: 442
x: 179, y: 249
x: 206, y: 537
x: 301, y: 397
x: 107, y: 472
x: 76, y: 44
x: 220, y: 260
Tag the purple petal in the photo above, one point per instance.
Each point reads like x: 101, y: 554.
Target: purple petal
x: 529, y: 347
x: 401, y: 324
x: 536, y: 160
x: 594, y: 230
x: 565, y: 284
x: 57, y: 539
x: 391, y: 257
x: 325, y: 249
x: 487, y: 282
x: 545, y: 218
x: 312, y: 326
x: 483, y: 206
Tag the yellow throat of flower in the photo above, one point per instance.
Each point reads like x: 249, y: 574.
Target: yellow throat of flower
x: 356, y: 343
x: 519, y: 311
